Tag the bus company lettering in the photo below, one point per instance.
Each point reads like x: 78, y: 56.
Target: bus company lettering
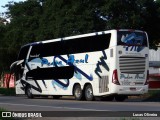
x: 71, y: 60
x: 46, y: 62
x: 128, y: 76
x: 35, y: 56
x: 123, y: 76
x: 138, y: 76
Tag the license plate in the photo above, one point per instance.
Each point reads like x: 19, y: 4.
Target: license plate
x: 133, y: 89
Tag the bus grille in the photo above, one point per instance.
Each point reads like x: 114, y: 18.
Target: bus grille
x: 132, y: 65
x: 103, y: 84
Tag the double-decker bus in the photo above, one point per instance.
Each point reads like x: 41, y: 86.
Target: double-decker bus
x: 110, y: 64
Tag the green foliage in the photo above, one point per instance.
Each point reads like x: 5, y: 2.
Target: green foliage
x: 36, y: 20
x: 154, y: 96
x: 2, y: 46
x: 2, y: 109
x: 7, y: 91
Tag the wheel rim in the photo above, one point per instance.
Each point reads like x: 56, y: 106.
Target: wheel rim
x: 89, y: 93
x: 78, y: 92
x: 29, y: 91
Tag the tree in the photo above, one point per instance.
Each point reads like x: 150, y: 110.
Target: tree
x: 23, y: 28
x: 36, y: 20
x: 65, y: 17
x: 3, y: 49
x: 152, y: 24
x: 134, y: 14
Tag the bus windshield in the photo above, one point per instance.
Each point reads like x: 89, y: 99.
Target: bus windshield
x: 131, y: 38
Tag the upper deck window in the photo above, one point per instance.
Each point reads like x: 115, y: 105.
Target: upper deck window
x: 131, y: 38
x: 72, y: 46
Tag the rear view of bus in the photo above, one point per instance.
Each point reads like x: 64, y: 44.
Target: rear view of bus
x: 130, y: 76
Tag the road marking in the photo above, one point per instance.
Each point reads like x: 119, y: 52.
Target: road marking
x: 83, y: 109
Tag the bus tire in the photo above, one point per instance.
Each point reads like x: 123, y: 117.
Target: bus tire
x: 29, y: 92
x: 89, y: 93
x: 77, y: 92
x: 120, y: 98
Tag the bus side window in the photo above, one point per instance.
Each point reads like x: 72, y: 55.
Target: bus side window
x: 23, y: 53
x: 88, y: 44
x: 72, y: 46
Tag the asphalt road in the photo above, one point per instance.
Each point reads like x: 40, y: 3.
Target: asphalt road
x: 22, y: 103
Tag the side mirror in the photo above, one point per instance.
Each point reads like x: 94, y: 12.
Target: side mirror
x: 14, y: 65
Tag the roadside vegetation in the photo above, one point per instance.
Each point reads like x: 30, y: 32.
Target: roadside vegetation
x: 153, y: 96
x: 7, y: 91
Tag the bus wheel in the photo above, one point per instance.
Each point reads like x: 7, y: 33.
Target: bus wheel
x: 29, y: 92
x: 77, y: 92
x: 120, y: 98
x: 89, y: 93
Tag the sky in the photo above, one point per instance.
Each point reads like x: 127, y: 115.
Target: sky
x: 3, y: 2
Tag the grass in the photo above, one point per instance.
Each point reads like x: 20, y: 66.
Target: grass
x: 7, y: 91
x: 153, y: 96
x: 154, y: 92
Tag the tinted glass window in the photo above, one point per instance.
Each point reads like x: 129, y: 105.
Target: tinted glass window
x: 23, y: 52
x: 132, y: 38
x: 78, y: 45
x: 65, y: 72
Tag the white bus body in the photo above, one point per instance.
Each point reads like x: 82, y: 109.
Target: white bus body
x: 111, y: 63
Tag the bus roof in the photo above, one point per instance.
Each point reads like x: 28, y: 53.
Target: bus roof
x: 79, y: 36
